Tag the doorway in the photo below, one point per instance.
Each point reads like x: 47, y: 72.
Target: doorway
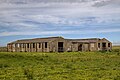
x: 80, y: 47
x: 104, y: 46
x: 60, y: 47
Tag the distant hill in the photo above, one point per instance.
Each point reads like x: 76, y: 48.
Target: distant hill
x: 116, y: 43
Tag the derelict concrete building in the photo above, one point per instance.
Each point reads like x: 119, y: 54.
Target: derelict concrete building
x: 59, y: 44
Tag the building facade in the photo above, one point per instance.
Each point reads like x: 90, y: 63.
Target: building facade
x: 59, y: 44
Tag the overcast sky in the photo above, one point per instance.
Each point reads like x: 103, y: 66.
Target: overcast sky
x: 21, y: 19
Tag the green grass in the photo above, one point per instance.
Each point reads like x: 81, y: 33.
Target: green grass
x: 60, y: 66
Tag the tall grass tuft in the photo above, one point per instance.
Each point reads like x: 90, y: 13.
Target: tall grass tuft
x: 29, y: 73
x: 3, y: 65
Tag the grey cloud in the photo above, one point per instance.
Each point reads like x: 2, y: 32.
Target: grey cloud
x: 58, y: 32
x: 33, y: 15
x: 46, y: 1
x: 102, y: 3
x: 107, y: 3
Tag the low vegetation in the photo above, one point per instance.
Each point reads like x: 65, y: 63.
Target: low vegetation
x: 3, y: 49
x: 60, y: 66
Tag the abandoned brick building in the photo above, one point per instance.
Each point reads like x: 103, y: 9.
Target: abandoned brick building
x: 59, y: 44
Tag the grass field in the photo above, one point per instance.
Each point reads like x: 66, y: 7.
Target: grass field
x: 60, y: 66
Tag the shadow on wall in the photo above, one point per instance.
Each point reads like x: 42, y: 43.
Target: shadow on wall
x: 3, y: 49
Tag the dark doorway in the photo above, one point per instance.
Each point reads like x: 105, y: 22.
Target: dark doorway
x: 60, y: 47
x: 108, y: 44
x: 104, y: 46
x: 80, y: 47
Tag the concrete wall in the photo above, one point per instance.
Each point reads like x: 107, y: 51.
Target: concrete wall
x: 52, y: 46
x: 23, y: 47
x: 107, y: 48
x: 75, y: 46
x: 93, y: 47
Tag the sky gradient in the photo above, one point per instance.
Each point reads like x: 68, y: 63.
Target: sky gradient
x: 21, y: 19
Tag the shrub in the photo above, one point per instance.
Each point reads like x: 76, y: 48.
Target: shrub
x: 116, y: 50
x: 3, y: 65
x: 3, y: 49
x: 117, y: 78
x: 28, y: 73
x: 68, y: 65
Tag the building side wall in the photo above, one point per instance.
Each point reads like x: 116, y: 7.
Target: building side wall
x: 93, y: 46
x: 85, y: 47
x: 54, y: 45
x: 101, y: 48
x: 9, y: 48
x: 74, y: 47
x: 23, y: 47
